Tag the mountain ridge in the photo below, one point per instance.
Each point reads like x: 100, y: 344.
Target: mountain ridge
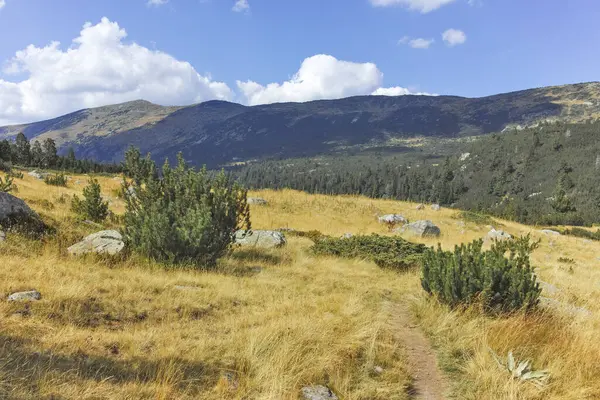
x: 218, y: 132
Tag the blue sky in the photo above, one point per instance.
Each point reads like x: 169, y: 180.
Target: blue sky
x: 187, y: 51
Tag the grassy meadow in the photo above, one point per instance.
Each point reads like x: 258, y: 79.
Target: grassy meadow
x: 266, y: 323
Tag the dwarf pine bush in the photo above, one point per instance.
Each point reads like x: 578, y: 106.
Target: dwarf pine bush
x: 56, y: 180
x: 385, y: 251
x: 183, y: 216
x: 92, y: 206
x: 470, y: 275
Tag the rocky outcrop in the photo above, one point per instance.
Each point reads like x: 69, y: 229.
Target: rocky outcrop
x: 103, y: 242
x: 423, y: 228
x: 258, y: 238
x: 498, y: 235
x: 550, y: 232
x: 15, y: 213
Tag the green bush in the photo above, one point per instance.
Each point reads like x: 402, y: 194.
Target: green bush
x: 582, y: 233
x: 56, y: 180
x: 6, y: 185
x: 470, y: 275
x: 475, y: 218
x: 184, y: 216
x: 385, y: 251
x: 14, y: 174
x: 92, y: 206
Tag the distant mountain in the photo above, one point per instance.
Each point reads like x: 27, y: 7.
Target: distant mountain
x: 219, y: 133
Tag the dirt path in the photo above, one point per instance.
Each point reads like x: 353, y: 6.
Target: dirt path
x: 429, y: 383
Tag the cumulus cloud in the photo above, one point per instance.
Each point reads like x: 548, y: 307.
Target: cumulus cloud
x: 2, y: 4
x: 319, y: 77
x: 156, y: 2
x: 241, y: 6
x: 454, y: 37
x: 399, y: 91
x: 98, y: 69
x: 423, y: 6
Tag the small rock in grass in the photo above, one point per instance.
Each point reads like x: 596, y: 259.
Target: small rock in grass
x: 318, y: 392
x: 378, y: 370
x: 32, y: 295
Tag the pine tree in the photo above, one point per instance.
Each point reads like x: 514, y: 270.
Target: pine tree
x: 50, y: 153
x: 22, y: 150
x: 92, y: 206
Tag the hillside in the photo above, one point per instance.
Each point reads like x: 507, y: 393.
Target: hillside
x: 218, y: 133
x: 514, y: 175
x: 268, y: 322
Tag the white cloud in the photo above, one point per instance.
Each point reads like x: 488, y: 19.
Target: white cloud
x: 420, y: 43
x: 423, y: 6
x: 319, y: 77
x: 417, y: 43
x: 156, y: 2
x: 454, y: 37
x: 241, y: 5
x: 399, y: 91
x: 2, y: 4
x: 98, y: 69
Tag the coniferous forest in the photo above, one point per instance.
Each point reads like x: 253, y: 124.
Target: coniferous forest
x: 548, y: 174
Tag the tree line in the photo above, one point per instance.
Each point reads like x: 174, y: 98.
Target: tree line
x: 44, y: 154
x: 547, y: 175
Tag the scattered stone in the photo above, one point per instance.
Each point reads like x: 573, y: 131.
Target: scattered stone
x: 2, y: 237
x: 392, y: 219
x: 464, y: 156
x: 378, y: 370
x: 32, y: 295
x: 13, y: 207
x: 265, y: 239
x: 421, y: 207
x: 257, y: 200
x: 78, y: 182
x: 36, y: 175
x: 498, y: 235
x: 423, y: 228
x: 550, y: 232
x: 103, y: 242
x: 318, y: 392
x: 436, y: 207
x: 347, y: 235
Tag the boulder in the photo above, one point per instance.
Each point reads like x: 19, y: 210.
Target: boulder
x: 103, y: 242
x: 347, y: 236
x: 318, y: 392
x: 257, y: 201
x: 36, y: 175
x: 436, y: 207
x: 264, y: 239
x: 13, y: 207
x: 550, y: 232
x: 421, y: 207
x: 32, y: 295
x: 392, y: 219
x: 498, y: 235
x: 424, y: 228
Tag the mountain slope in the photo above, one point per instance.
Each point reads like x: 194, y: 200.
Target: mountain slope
x: 217, y: 133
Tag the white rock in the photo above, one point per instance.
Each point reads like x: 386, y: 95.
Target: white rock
x: 318, y: 392
x: 392, y: 219
x: 498, y: 235
x: 104, y: 242
x: 32, y: 295
x: 264, y: 239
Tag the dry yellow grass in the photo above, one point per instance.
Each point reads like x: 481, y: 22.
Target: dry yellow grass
x: 124, y: 330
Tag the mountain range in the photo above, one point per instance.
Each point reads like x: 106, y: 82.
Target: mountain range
x: 218, y: 133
